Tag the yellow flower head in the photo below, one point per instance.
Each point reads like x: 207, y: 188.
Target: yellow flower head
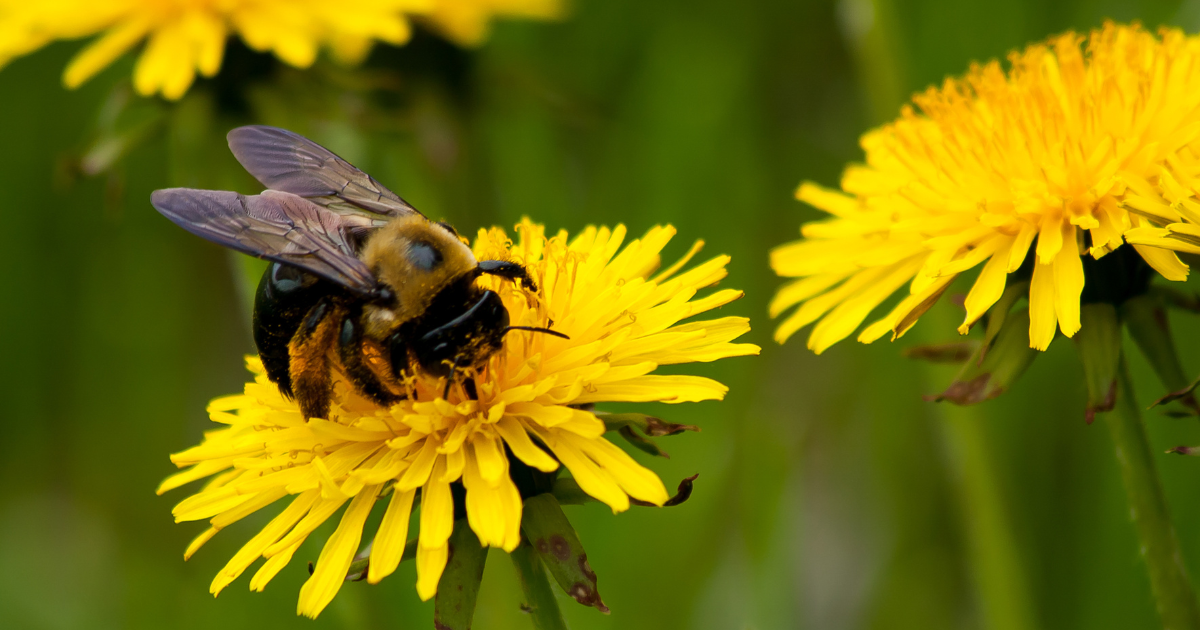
x: 534, y: 398
x: 186, y: 36
x: 1081, y: 146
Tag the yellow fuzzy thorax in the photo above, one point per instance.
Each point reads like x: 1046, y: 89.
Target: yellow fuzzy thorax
x: 1097, y: 136
x: 623, y: 322
x: 386, y: 254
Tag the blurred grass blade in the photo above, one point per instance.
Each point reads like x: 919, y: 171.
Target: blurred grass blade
x: 123, y: 124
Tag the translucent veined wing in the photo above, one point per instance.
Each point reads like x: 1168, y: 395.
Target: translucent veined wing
x: 274, y: 225
x: 282, y: 160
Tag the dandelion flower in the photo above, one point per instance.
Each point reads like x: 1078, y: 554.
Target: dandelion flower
x: 467, y: 21
x: 188, y: 36
x: 1082, y: 146
x: 533, y: 409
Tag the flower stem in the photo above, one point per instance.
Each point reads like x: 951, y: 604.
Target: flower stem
x: 1173, y: 594
x: 539, y: 599
x: 993, y: 554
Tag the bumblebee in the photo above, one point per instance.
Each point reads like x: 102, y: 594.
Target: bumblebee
x: 360, y: 281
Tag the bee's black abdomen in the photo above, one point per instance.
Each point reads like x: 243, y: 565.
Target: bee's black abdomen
x: 285, y: 295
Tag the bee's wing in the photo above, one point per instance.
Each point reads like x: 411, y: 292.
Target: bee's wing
x: 276, y: 226
x: 287, y: 161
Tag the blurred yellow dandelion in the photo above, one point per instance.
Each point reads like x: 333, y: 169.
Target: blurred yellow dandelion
x: 466, y: 21
x: 533, y: 400
x: 1082, y: 146
x: 184, y: 37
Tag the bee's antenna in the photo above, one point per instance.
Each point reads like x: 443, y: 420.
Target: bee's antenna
x: 534, y: 329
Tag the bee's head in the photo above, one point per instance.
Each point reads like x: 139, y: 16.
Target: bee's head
x: 466, y: 340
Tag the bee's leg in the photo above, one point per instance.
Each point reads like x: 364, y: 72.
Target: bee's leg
x: 450, y: 378
x: 350, y: 351
x: 508, y: 269
x: 468, y: 382
x: 308, y: 354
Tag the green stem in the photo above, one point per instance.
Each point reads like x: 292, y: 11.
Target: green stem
x: 1160, y: 548
x: 993, y: 551
x: 994, y: 557
x: 539, y: 599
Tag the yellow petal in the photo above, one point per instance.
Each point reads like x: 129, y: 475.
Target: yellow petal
x: 813, y: 309
x: 489, y: 457
x: 1043, y: 319
x: 514, y: 434
x: 834, y: 202
x: 636, y: 480
x: 320, y: 512
x: 437, y: 509
x: 255, y: 547
x: 431, y: 562
x: 1050, y: 240
x: 1164, y: 261
x: 653, y: 387
x: 455, y: 460
x: 905, y: 314
x: 988, y: 288
x: 1068, y: 284
x: 197, y: 471
x: 418, y: 473
x: 838, y: 324
x: 199, y: 541
x: 167, y: 64
x: 590, y: 477
x: 260, y: 501
x: 104, y: 51
x: 333, y: 563
x: 392, y: 536
x: 271, y: 568
x: 1020, y: 246
x: 493, y: 509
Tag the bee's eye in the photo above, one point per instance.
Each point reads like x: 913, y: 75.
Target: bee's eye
x: 424, y: 256
x: 449, y: 228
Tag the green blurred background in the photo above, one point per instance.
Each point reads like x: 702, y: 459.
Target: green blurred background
x: 830, y: 495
